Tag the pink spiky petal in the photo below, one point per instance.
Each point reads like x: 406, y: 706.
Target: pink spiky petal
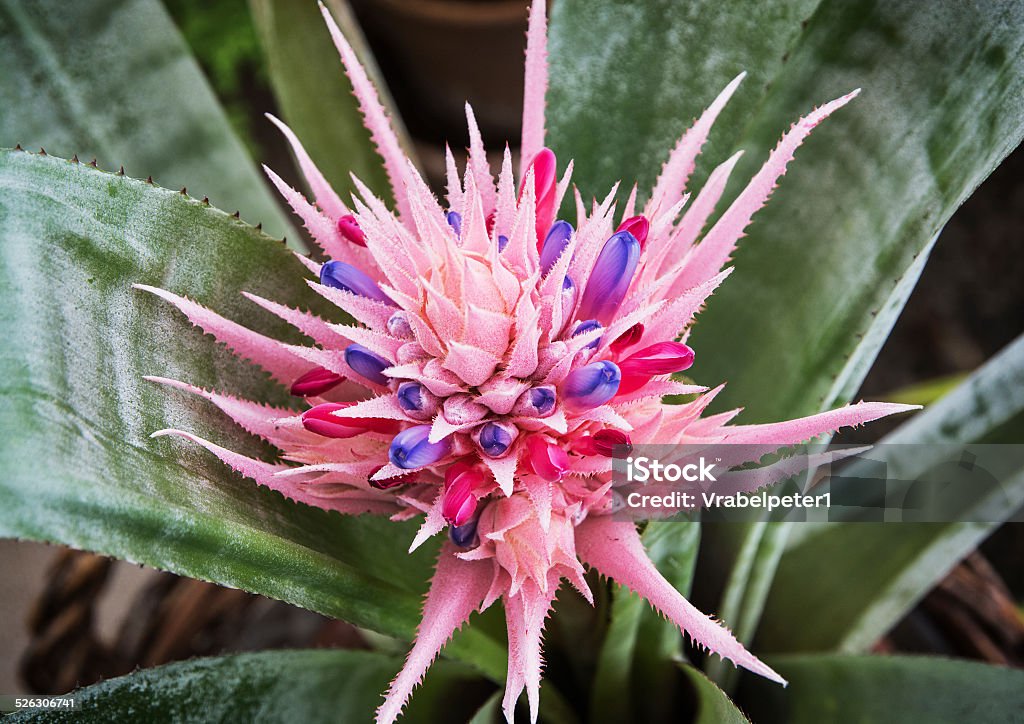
x: 270, y: 354
x: 524, y: 616
x: 456, y: 591
x: 374, y: 115
x: 265, y: 474
x: 325, y: 196
x: 681, y: 162
x: 615, y: 550
x: 536, y: 84
x: 714, y: 249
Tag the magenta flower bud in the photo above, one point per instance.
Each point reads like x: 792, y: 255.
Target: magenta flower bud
x: 322, y: 420
x: 411, y: 449
x: 587, y: 326
x: 659, y: 359
x: 316, y: 382
x: 459, y: 502
x: 349, y: 229
x: 367, y: 364
x: 464, y: 536
x: 638, y: 226
x: 388, y: 483
x: 610, y: 278
x: 547, y: 459
x: 417, y: 401
x: 398, y: 326
x: 454, y: 219
x: 536, y: 402
x: 495, y: 438
x: 340, y: 275
x: 555, y: 243
x: 591, y: 386
x: 628, y: 338
x: 612, y: 443
x: 545, y: 184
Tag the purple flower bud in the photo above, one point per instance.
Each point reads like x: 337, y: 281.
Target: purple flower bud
x: 611, y: 276
x: 591, y: 386
x: 366, y: 363
x: 502, y: 242
x: 554, y: 244
x: 411, y: 449
x: 398, y: 326
x: 543, y: 400
x: 464, y: 536
x: 455, y: 221
x: 409, y: 397
x: 536, y: 402
x: 587, y: 326
x: 340, y: 275
x: 495, y: 438
x: 417, y: 401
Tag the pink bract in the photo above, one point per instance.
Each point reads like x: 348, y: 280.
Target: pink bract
x: 458, y: 353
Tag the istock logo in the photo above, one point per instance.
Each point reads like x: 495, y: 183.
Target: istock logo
x: 643, y: 469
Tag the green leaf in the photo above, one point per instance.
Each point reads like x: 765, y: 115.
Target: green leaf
x: 314, y: 94
x: 713, y: 705
x: 120, y: 84
x: 78, y: 340
x: 927, y: 392
x: 632, y: 678
x: 490, y: 712
x: 828, y: 264
x: 272, y: 686
x: 868, y: 575
x: 749, y: 578
x: 886, y: 689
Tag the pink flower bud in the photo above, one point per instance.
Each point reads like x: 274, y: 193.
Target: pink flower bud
x: 548, y: 460
x: 322, y: 420
x: 316, y: 382
x: 545, y: 183
x: 659, y: 359
x: 628, y: 338
x: 459, y: 502
x: 349, y: 229
x: 606, y: 441
x: 638, y: 226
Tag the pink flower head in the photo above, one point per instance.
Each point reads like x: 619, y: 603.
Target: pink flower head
x: 498, y: 360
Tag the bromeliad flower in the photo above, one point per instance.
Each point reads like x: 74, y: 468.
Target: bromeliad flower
x: 497, y: 359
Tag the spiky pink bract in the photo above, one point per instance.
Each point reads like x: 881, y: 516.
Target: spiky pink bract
x: 477, y: 392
